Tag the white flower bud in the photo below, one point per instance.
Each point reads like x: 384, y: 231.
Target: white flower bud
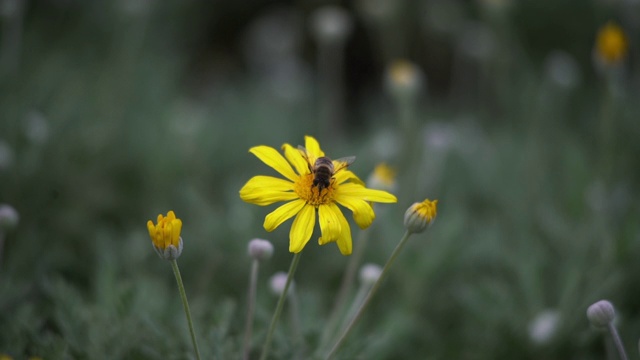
x: 601, y: 313
x: 544, y: 326
x: 370, y: 273
x: 331, y: 24
x: 278, y: 281
x: 260, y: 249
x: 9, y: 217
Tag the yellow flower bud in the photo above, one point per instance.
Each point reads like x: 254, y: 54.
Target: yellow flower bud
x: 165, y: 236
x: 419, y: 215
x: 611, y: 44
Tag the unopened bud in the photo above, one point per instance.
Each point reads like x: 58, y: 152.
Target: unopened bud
x: 419, y: 215
x: 383, y: 177
x: 278, y: 281
x: 331, y: 24
x: 601, y: 314
x: 370, y: 273
x: 260, y: 249
x: 9, y: 217
x: 404, y: 79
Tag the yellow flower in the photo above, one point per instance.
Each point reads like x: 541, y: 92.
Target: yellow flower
x: 165, y: 236
x: 419, y: 215
x: 305, y: 200
x: 404, y: 80
x: 611, y: 44
x: 382, y: 178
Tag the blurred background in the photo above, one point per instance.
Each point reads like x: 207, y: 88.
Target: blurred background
x: 521, y: 117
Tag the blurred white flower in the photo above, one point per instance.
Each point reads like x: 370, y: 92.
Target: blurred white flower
x: 377, y: 10
x: 443, y: 16
x: 439, y: 136
x: 278, y: 282
x: 36, y: 127
x: 331, y: 24
x: 6, y: 156
x: 562, y: 69
x: 477, y: 41
x: 544, y: 326
x: 9, y: 217
x: 271, y: 47
x: 369, y: 273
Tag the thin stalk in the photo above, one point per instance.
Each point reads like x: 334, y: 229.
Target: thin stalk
x: 253, y: 284
x: 345, y: 288
x: 617, y: 341
x: 372, y: 292
x: 1, y: 246
x: 185, y: 304
x: 297, y: 339
x: 355, y: 305
x: 276, y: 314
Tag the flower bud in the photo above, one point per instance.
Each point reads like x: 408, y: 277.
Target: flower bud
x: 9, y: 217
x: 278, y: 281
x: 419, y: 215
x: 331, y: 24
x: 165, y: 236
x: 601, y: 313
x: 544, y: 327
x: 260, y: 249
x: 404, y: 79
x: 370, y: 273
x: 611, y: 45
x: 383, y: 177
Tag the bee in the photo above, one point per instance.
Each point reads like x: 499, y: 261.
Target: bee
x: 323, y: 169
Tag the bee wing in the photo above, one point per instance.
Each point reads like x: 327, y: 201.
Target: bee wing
x: 342, y: 163
x: 305, y: 155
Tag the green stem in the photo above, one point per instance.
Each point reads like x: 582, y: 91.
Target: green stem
x: 372, y: 292
x: 617, y: 341
x: 276, y: 314
x: 253, y: 283
x: 185, y: 304
x: 345, y: 288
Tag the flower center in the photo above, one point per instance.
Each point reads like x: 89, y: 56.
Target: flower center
x: 312, y: 194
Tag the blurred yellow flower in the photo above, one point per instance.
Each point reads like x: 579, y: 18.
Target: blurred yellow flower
x: 419, y: 215
x: 305, y: 199
x: 404, y: 77
x: 165, y: 236
x: 382, y: 178
x: 611, y: 44
x: 5, y: 357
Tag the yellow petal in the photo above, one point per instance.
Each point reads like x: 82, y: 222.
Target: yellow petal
x: 175, y: 233
x: 329, y: 223
x: 302, y: 229
x: 344, y: 175
x: 266, y: 190
x: 171, y: 215
x: 167, y: 230
x: 362, y: 211
x: 313, y: 147
x: 272, y: 157
x: 344, y: 240
x: 152, y: 229
x: 355, y: 190
x: 296, y: 159
x: 282, y: 214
